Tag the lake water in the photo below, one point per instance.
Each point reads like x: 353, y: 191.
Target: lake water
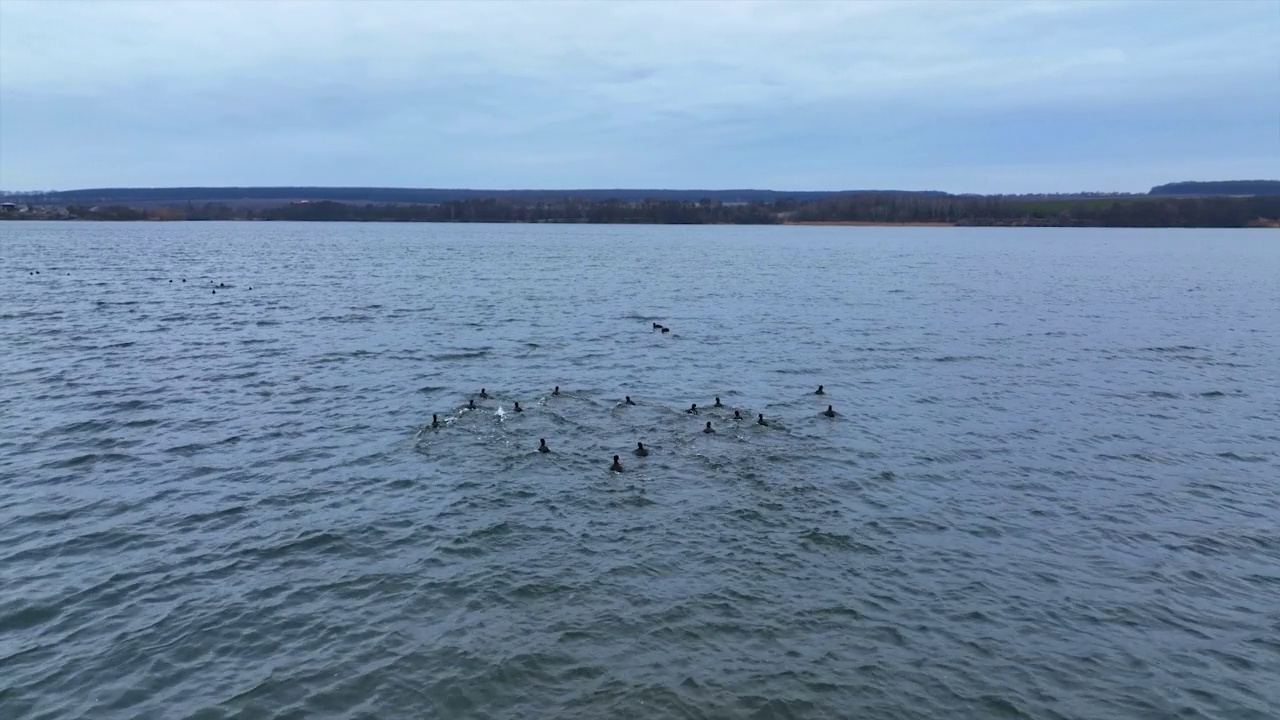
x: 1052, y: 489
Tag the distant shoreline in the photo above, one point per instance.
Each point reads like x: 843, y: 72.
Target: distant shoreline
x: 850, y: 210
x: 1261, y: 223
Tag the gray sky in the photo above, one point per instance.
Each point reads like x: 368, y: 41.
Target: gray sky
x: 798, y: 95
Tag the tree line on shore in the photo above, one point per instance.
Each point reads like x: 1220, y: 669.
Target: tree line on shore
x: 1142, y: 211
x: 869, y: 207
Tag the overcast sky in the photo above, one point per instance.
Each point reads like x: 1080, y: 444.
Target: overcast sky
x: 797, y: 95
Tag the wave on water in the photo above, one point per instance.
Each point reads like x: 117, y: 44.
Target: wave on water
x: 251, y: 515
x: 959, y: 358
x: 464, y: 354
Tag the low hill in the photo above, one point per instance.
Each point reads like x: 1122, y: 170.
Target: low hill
x: 259, y: 196
x: 1220, y: 188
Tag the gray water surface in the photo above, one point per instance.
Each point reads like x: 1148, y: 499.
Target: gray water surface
x: 1052, y: 491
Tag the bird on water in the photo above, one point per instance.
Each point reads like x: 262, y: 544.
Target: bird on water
x: 819, y: 391
x: 708, y: 429
x: 617, y: 465
x: 542, y: 446
x: 829, y: 412
x: 640, y: 450
x: 760, y: 420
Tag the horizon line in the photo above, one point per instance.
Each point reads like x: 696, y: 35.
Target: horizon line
x: 596, y: 190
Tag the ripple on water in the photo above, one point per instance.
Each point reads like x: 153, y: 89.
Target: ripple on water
x: 1050, y: 492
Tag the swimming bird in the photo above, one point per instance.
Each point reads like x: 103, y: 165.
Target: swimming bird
x: 616, y: 466
x: 693, y: 409
x: 640, y: 450
x: 542, y: 446
x: 830, y: 412
x: 70, y: 273
x: 629, y: 401
x: 718, y: 403
x: 483, y: 394
x: 471, y: 404
x: 556, y: 391
x: 435, y: 421
x: 760, y: 420
x: 819, y: 391
x: 736, y: 416
x: 666, y: 329
x: 708, y: 429
x: 517, y: 408
x: 657, y: 326
x: 215, y: 292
